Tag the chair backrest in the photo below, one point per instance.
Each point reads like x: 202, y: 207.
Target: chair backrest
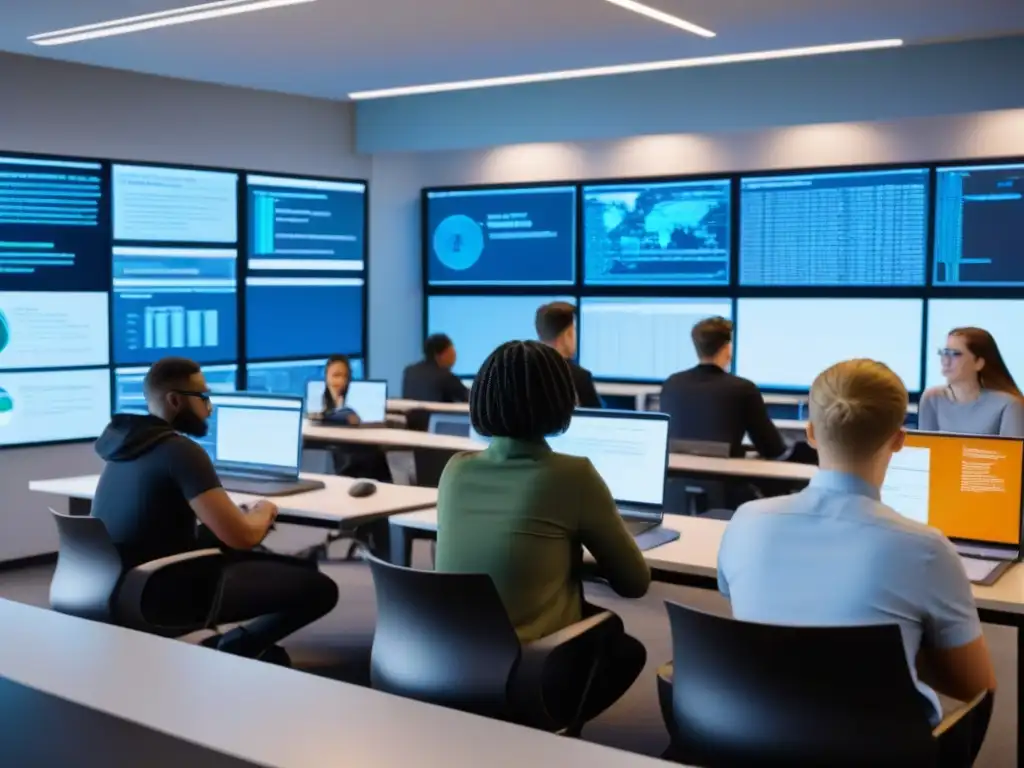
x: 88, y: 568
x: 759, y: 695
x: 417, y: 419
x: 443, y: 638
x: 700, y: 448
x: 454, y: 424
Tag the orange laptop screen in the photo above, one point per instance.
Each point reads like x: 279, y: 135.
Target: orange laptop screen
x: 968, y: 487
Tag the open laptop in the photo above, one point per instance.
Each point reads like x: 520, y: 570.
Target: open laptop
x: 368, y: 399
x: 255, y: 441
x: 629, y: 449
x: 967, y: 486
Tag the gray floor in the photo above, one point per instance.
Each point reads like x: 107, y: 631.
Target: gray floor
x: 339, y: 647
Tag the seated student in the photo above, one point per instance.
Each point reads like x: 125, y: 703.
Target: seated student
x: 709, y: 403
x: 367, y: 461
x: 522, y: 513
x: 556, y: 327
x: 835, y: 555
x: 431, y: 380
x: 980, y: 396
x: 157, y: 482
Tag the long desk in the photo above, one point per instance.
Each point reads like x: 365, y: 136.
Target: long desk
x: 679, y: 463
x: 120, y: 698
x: 329, y: 507
x: 692, y: 561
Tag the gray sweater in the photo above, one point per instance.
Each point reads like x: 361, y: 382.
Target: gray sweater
x: 993, y: 413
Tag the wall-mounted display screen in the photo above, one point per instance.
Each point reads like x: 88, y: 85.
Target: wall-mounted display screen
x: 665, y: 233
x: 53, y: 406
x: 507, y: 236
x: 289, y: 377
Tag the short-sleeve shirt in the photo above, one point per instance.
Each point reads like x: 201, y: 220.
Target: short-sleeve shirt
x: 144, y: 501
x: 834, y: 555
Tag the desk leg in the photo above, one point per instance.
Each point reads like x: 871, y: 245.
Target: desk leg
x: 401, y: 546
x: 79, y: 507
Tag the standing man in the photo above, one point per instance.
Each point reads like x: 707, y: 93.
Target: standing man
x: 556, y: 327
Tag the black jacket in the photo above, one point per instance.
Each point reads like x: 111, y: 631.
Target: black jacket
x: 586, y: 392
x: 706, y: 403
x: 428, y: 382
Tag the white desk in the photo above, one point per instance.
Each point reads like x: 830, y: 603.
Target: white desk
x: 330, y: 506
x: 267, y: 715
x: 398, y: 405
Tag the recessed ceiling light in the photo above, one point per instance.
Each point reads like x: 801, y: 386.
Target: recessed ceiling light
x: 146, y: 21
x: 664, y: 18
x: 623, y: 69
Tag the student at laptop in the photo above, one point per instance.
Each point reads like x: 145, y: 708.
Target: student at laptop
x: 980, y: 396
x: 431, y: 380
x: 522, y: 514
x: 709, y: 403
x: 337, y: 377
x: 556, y: 327
x: 367, y: 461
x: 157, y: 483
x: 834, y: 555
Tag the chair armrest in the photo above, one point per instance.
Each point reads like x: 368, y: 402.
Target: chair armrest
x: 961, y: 734
x: 561, y: 650
x: 129, y: 598
x: 953, y: 719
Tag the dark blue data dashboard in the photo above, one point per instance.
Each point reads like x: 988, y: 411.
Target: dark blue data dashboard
x: 835, y: 229
x: 506, y: 236
x: 979, y: 226
x: 290, y: 377
x: 673, y: 233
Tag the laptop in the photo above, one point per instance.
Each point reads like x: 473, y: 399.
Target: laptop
x: 255, y: 442
x: 629, y: 449
x: 366, y: 398
x: 967, y: 486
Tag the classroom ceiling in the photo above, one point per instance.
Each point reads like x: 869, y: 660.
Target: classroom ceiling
x: 329, y: 48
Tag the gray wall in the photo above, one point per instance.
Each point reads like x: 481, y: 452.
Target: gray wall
x: 48, y: 106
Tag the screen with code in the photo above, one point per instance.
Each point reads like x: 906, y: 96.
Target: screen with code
x: 306, y: 224
x: 509, y: 236
x: 835, y: 229
x: 673, y: 233
x: 979, y: 226
x: 643, y: 338
x: 54, y: 231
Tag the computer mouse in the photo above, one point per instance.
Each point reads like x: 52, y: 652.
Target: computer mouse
x: 362, y: 489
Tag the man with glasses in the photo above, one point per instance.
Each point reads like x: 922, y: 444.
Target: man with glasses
x: 156, y: 485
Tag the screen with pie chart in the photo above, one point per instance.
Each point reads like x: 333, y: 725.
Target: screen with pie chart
x: 501, y: 236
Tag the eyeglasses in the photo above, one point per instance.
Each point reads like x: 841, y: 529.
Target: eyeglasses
x: 950, y: 353
x: 204, y: 396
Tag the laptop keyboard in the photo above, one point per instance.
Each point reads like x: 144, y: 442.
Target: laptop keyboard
x: 977, y: 569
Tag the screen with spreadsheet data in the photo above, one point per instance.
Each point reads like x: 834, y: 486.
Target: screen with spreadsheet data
x: 665, y: 233
x: 642, y: 338
x: 865, y: 228
x: 979, y: 226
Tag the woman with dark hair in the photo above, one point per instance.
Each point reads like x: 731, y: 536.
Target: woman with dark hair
x: 337, y: 377
x: 522, y: 513
x: 980, y: 396
x: 350, y: 460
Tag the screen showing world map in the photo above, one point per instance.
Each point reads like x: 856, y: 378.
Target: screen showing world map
x: 674, y: 233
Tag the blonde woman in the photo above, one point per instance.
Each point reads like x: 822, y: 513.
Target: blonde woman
x: 835, y: 555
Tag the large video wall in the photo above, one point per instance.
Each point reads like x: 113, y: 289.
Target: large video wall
x: 813, y: 266
x: 106, y: 267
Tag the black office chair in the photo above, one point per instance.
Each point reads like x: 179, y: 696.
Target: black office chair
x: 446, y: 639
x: 158, y: 597
x: 746, y: 694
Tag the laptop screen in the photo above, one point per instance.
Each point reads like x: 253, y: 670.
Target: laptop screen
x: 261, y: 434
x: 629, y: 449
x: 968, y: 487
x: 315, y: 389
x: 369, y: 400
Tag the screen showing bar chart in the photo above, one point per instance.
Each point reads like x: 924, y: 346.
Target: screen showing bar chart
x: 174, y: 301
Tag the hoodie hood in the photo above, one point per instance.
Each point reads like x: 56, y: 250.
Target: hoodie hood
x: 129, y: 436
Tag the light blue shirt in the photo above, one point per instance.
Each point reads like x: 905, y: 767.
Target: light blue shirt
x: 834, y: 555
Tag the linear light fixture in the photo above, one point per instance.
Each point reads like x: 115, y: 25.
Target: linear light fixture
x: 664, y: 18
x: 623, y: 69
x: 169, y: 18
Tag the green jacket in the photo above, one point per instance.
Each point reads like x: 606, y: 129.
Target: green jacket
x: 522, y: 514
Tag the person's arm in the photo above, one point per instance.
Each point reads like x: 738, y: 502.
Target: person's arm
x: 927, y: 416
x: 455, y: 390
x: 619, y: 559
x: 193, y: 471
x: 954, y: 657
x: 1012, y: 422
x: 586, y: 390
x: 763, y: 433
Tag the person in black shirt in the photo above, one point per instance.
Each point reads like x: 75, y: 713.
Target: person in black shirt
x: 431, y: 380
x: 155, y: 485
x: 556, y: 327
x: 709, y: 403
